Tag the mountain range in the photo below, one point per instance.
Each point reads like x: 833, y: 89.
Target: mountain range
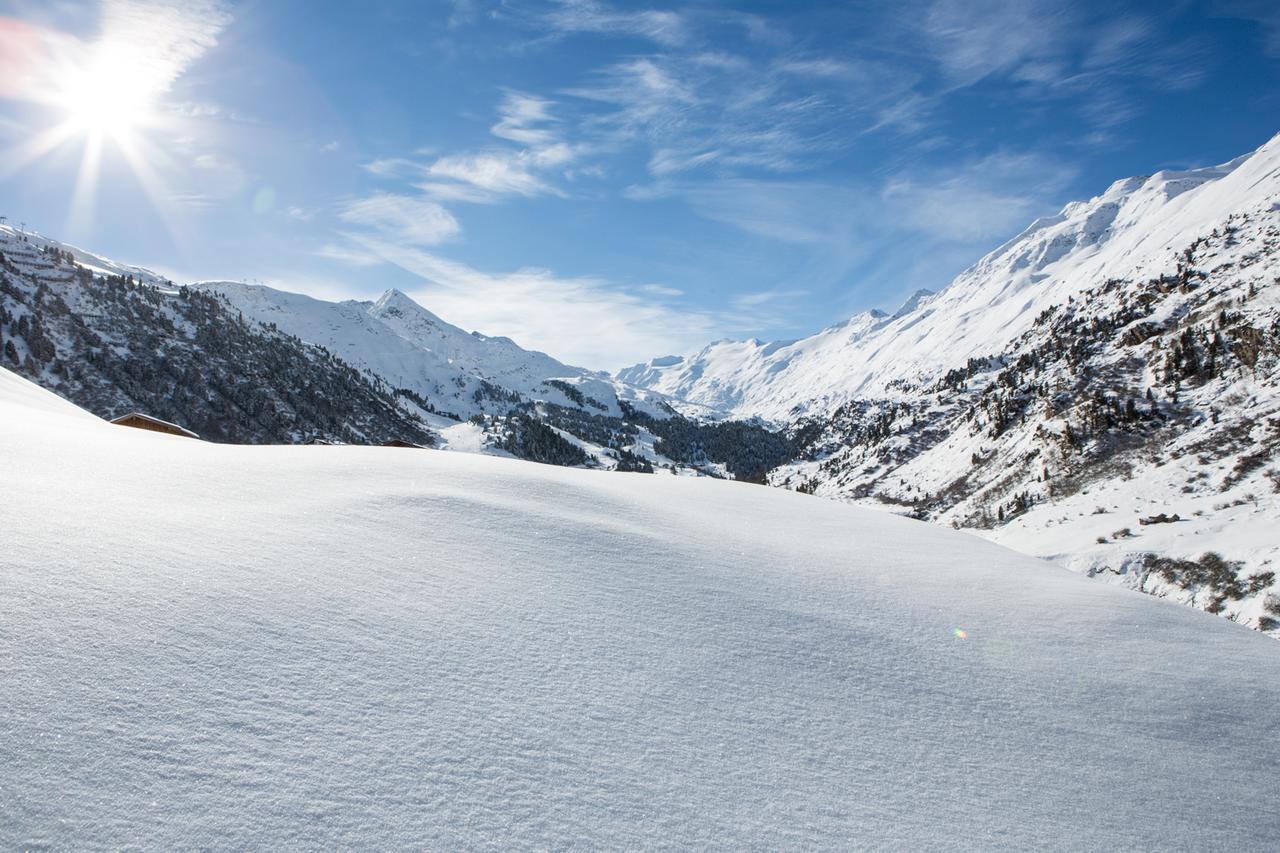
x: 1112, y: 367
x: 1101, y: 390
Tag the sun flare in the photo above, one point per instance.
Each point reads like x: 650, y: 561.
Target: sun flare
x: 105, y: 98
x: 108, y: 96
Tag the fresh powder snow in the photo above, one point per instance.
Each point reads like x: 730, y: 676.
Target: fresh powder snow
x: 312, y: 647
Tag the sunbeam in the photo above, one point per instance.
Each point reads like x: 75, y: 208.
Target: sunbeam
x: 82, y: 200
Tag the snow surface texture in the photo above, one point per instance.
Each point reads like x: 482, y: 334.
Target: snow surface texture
x: 311, y: 647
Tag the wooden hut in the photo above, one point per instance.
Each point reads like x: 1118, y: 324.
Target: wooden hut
x: 397, y: 442
x: 138, y: 420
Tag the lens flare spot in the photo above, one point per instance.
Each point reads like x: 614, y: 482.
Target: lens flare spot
x: 960, y: 633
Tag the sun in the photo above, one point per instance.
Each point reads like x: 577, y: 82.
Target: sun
x: 106, y: 97
x: 106, y: 100
x: 109, y: 96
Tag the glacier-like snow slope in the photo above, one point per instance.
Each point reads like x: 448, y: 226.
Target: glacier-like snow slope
x: 314, y: 647
x: 409, y: 347
x: 1127, y: 232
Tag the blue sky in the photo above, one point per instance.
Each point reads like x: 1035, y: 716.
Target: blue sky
x: 607, y: 182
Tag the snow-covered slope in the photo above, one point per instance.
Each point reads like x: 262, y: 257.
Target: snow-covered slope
x: 395, y: 340
x: 407, y: 346
x: 745, y: 378
x: 117, y: 339
x: 1113, y: 366
x: 252, y: 364
x: 1127, y: 232
x: 294, y: 647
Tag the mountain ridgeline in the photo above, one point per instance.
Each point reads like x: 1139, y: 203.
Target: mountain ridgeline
x: 248, y: 364
x: 113, y: 345
x: 1102, y: 390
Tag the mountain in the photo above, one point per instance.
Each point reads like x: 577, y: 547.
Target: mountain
x: 1134, y: 230
x: 1103, y: 390
x: 252, y: 364
x: 118, y: 339
x: 332, y: 647
x: 773, y: 380
x: 461, y: 373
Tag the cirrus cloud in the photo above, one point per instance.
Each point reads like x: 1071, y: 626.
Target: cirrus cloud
x: 413, y: 221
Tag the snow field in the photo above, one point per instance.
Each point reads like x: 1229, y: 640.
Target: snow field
x: 305, y: 647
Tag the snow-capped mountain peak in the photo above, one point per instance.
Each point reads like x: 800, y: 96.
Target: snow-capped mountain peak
x: 913, y: 302
x: 1132, y: 229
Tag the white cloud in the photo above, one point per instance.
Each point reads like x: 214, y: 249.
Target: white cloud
x: 972, y: 39
x: 347, y: 255
x: 588, y: 16
x: 392, y: 167
x: 665, y: 161
x: 661, y: 290
x: 449, y: 191
x: 798, y: 212
x: 585, y: 321
x: 162, y: 36
x: 720, y: 113
x: 524, y: 119
x: 148, y: 42
x: 916, y: 228
x: 748, y: 301
x: 213, y: 176
x: 495, y: 173
x: 412, y: 221
x: 647, y: 80
x: 988, y: 199
x: 818, y: 67
x: 972, y: 201
x: 464, y: 13
x: 908, y: 114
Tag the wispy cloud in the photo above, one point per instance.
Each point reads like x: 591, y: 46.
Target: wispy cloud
x: 526, y: 119
x: 584, y: 320
x: 163, y: 36
x: 981, y: 200
x: 487, y: 175
x: 403, y: 219
x: 968, y: 202
x: 497, y: 172
x: 695, y: 114
x: 347, y: 254
x: 392, y: 167
x: 973, y: 40
x: 587, y: 16
x: 773, y: 296
x: 149, y: 42
x: 917, y: 227
x: 1052, y: 48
